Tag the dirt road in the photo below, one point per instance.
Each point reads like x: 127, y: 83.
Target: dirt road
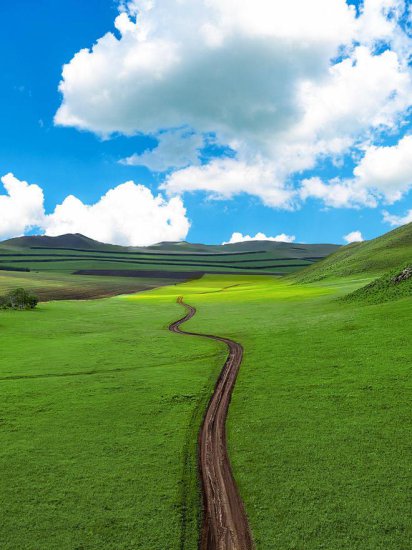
x: 225, y: 524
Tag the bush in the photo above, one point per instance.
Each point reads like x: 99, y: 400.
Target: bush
x: 18, y: 299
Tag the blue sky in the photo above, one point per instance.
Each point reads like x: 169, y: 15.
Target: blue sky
x: 246, y: 153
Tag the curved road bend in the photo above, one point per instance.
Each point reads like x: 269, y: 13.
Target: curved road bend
x: 225, y: 524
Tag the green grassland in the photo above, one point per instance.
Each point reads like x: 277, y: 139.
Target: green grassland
x: 100, y: 410
x: 390, y: 251
x: 319, y: 429
x: 101, y: 407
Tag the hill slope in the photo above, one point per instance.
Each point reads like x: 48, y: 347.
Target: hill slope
x: 70, y: 240
x: 390, y: 251
x: 74, y: 253
x: 392, y: 286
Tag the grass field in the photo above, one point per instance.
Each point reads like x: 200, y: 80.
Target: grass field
x: 101, y: 407
x: 98, y: 426
x: 319, y: 429
x: 65, y: 286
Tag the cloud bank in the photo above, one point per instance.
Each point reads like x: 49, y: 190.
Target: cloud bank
x: 128, y: 214
x: 239, y: 238
x: 283, y: 83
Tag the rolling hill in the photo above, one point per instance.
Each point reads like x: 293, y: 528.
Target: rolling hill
x: 74, y: 266
x: 77, y: 253
x: 372, y: 258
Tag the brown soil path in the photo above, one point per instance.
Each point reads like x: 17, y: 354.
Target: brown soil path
x: 225, y: 524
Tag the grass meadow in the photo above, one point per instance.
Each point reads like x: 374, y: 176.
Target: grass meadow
x: 319, y: 428
x: 102, y: 405
x: 99, y: 415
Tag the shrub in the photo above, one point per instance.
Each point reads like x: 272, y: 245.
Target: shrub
x: 18, y: 299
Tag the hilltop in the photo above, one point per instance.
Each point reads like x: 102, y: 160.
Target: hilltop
x: 390, y: 251
x: 68, y: 241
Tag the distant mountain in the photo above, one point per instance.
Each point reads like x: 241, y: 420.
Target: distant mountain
x: 80, y: 242
x: 69, y: 240
x: 77, y: 253
x: 390, y: 251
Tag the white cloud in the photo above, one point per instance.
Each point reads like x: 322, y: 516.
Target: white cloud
x: 194, y: 63
x: 353, y: 237
x: 387, y: 170
x: 284, y: 83
x: 226, y: 177
x: 383, y: 173
x: 128, y: 214
x: 239, y: 238
x: 361, y: 92
x: 21, y: 209
x: 176, y: 149
x: 336, y: 193
x: 379, y: 20
x: 396, y: 221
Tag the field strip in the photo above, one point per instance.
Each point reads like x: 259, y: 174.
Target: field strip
x: 225, y: 524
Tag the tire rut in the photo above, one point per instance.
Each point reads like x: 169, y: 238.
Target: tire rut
x: 225, y: 524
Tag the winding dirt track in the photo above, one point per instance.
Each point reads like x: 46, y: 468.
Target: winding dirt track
x: 225, y: 524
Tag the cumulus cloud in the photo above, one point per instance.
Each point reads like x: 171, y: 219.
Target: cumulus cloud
x: 387, y: 170
x: 282, y: 238
x: 384, y: 172
x: 176, y: 149
x: 396, y: 221
x: 353, y: 237
x: 194, y: 63
x: 362, y: 92
x: 336, y: 193
x: 225, y: 177
x: 128, y: 214
x: 283, y: 83
x: 21, y: 209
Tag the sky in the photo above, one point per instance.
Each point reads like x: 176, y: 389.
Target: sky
x: 135, y: 122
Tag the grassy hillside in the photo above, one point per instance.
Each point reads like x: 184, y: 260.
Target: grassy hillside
x: 79, y: 242
x: 392, y: 250
x: 74, y: 257
x: 392, y: 286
